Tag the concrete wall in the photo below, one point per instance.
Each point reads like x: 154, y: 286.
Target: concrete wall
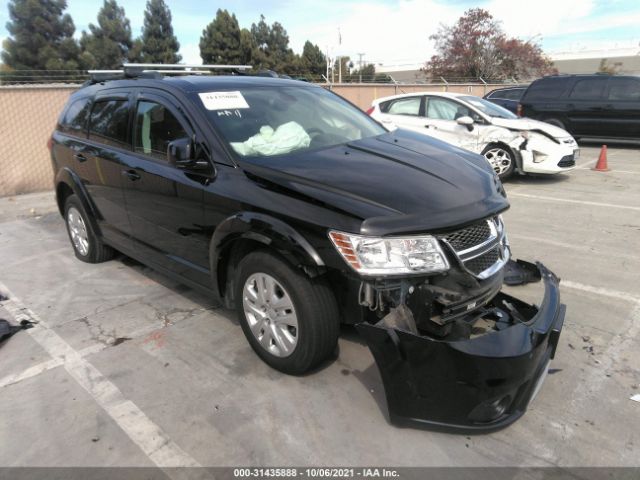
x: 28, y: 116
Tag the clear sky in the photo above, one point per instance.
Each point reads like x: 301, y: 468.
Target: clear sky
x: 391, y: 31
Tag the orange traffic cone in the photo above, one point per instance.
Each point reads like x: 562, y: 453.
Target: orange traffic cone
x: 601, y: 166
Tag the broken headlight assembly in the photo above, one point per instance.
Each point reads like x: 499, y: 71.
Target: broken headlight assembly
x: 390, y: 255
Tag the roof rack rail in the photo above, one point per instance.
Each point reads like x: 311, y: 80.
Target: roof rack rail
x: 157, y: 70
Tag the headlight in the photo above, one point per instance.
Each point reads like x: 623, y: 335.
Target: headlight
x: 390, y: 255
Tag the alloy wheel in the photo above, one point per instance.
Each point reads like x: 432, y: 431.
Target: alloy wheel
x: 78, y: 231
x: 270, y: 313
x: 500, y: 160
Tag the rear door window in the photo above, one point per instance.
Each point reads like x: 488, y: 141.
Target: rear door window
x: 110, y: 122
x: 624, y: 89
x: 75, y: 118
x: 547, y: 88
x: 156, y: 127
x: 589, y: 88
x: 402, y: 106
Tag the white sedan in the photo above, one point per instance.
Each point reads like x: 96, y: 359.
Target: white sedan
x: 508, y: 142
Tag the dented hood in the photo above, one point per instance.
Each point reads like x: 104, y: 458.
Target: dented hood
x: 399, y: 182
x: 527, y: 124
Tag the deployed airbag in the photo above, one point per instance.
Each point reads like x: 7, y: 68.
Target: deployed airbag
x: 286, y: 138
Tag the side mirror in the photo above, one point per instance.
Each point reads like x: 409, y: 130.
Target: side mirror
x: 466, y: 121
x: 180, y: 154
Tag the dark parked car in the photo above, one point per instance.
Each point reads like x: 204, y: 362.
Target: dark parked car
x: 294, y: 207
x: 586, y: 105
x: 506, y: 97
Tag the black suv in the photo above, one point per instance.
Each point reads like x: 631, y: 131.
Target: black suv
x: 294, y: 207
x: 604, y: 106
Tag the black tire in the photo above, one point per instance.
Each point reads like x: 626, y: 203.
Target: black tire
x: 555, y: 122
x: 96, y: 251
x: 314, y: 305
x: 497, y: 146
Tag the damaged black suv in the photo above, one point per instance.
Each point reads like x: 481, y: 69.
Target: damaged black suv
x: 295, y: 208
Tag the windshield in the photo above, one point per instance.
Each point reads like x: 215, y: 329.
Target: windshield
x: 488, y: 108
x: 268, y: 121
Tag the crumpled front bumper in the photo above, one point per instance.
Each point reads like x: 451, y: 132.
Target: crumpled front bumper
x: 475, y: 385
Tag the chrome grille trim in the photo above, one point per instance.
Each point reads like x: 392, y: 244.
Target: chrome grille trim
x: 494, y: 244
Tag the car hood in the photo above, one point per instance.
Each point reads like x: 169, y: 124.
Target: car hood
x: 526, y: 124
x: 398, y: 182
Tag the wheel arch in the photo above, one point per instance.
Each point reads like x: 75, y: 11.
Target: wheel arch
x: 68, y: 183
x: 245, y: 232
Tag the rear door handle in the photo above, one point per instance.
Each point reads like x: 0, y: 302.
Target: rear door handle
x: 80, y: 157
x: 431, y: 126
x: 131, y: 174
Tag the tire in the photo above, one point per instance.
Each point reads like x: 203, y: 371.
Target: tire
x: 555, y: 122
x: 292, y: 347
x: 87, y: 246
x: 498, y: 155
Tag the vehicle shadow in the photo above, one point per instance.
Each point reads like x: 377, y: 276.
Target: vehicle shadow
x: 532, y: 179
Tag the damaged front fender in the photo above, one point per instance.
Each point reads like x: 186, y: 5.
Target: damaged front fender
x: 478, y: 384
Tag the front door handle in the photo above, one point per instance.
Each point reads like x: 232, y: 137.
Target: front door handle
x: 131, y: 174
x: 80, y: 157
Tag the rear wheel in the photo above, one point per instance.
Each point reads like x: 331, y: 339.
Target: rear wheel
x: 87, y: 246
x: 290, y: 320
x: 501, y: 158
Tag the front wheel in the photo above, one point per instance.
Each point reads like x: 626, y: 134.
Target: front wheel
x: 502, y: 160
x: 290, y: 320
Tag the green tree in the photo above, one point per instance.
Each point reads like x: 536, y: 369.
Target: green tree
x: 108, y: 43
x: 41, y: 36
x: 157, y: 44
x: 271, y: 48
x: 312, y: 60
x: 222, y: 41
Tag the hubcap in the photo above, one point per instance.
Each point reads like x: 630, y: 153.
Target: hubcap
x: 500, y: 159
x: 78, y: 231
x: 270, y: 314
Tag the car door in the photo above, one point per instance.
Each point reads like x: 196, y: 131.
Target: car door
x: 622, y: 106
x: 586, y: 110
x: 403, y: 112
x: 99, y: 162
x: 165, y: 203
x: 440, y: 122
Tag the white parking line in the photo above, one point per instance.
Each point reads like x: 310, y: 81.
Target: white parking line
x: 628, y: 297
x: 151, y: 439
x: 568, y: 200
x: 571, y: 246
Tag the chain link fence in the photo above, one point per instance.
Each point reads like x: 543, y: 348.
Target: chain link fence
x: 31, y: 101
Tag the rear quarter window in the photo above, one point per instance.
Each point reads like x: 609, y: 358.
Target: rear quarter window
x: 547, y: 88
x: 624, y: 89
x: 74, y: 119
x: 402, y: 106
x: 110, y: 122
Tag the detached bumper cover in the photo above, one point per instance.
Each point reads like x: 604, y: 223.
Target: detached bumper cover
x: 480, y: 384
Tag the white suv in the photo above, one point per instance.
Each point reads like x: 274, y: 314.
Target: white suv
x: 509, y: 143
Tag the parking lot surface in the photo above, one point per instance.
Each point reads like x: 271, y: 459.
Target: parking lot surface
x: 129, y: 368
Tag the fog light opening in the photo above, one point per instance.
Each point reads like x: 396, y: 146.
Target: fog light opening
x: 490, y: 411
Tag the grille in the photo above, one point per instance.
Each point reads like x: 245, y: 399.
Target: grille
x: 480, y: 264
x: 469, y: 237
x: 567, y: 161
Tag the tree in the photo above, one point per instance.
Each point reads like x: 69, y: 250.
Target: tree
x: 271, y: 48
x: 312, y: 60
x: 222, y: 41
x: 41, y: 36
x: 476, y: 46
x: 108, y: 44
x: 157, y: 44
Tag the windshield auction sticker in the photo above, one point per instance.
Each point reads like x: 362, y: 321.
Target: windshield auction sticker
x: 223, y: 100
